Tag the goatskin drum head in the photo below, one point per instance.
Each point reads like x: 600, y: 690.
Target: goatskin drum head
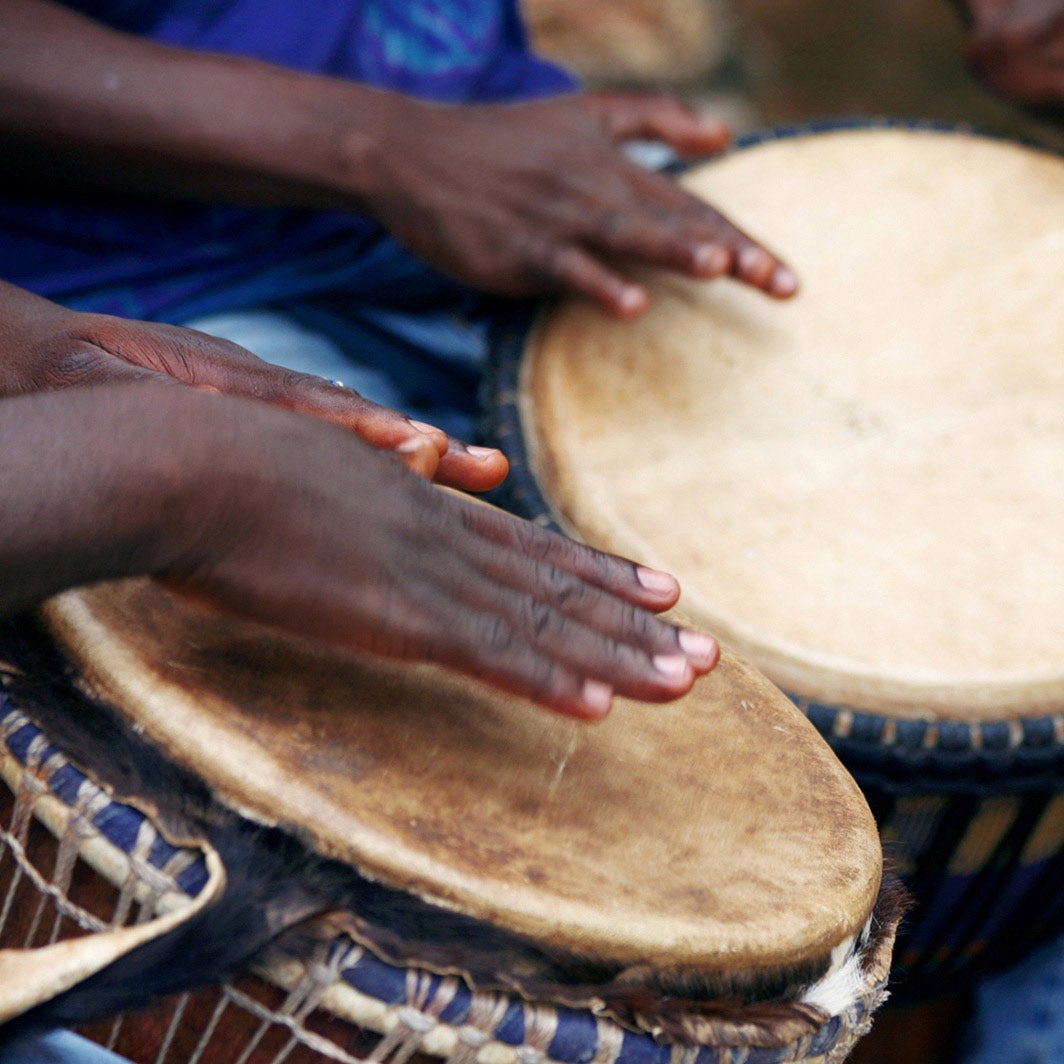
x: 860, y: 489
x: 709, y: 834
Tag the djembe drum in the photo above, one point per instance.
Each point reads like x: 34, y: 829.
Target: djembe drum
x: 417, y: 863
x: 861, y: 490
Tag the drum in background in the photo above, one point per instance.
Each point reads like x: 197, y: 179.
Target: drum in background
x: 472, y: 878
x: 860, y: 490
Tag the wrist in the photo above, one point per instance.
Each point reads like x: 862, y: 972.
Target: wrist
x: 348, y: 133
x: 110, y: 482
x: 32, y: 332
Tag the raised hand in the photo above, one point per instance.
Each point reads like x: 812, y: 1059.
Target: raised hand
x: 521, y: 199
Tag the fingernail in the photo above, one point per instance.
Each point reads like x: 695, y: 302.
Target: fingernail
x: 711, y: 259
x: 720, y: 130
x: 631, y: 300
x: 412, y: 444
x: 698, y: 645
x: 784, y: 281
x: 653, y: 580
x: 597, y: 696
x: 429, y: 430
x: 755, y: 264
x: 482, y: 452
x: 671, y: 664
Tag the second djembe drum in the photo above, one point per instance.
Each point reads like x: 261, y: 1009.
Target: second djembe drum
x: 861, y: 490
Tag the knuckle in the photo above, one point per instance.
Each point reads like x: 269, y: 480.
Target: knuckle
x: 612, y: 225
x: 565, y: 589
x: 544, y: 679
x: 636, y: 622
x: 532, y: 542
x: 563, y: 262
x: 496, y: 635
x: 283, y: 381
x: 80, y: 365
x: 541, y: 619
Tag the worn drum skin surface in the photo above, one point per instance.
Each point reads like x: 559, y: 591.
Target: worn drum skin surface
x: 862, y: 489
x: 712, y: 833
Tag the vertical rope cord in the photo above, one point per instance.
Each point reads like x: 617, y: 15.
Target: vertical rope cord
x: 171, y: 1030
x: 31, y: 787
x: 208, y: 1031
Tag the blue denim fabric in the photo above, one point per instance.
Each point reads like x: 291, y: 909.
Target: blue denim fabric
x: 55, y: 1047
x: 426, y: 365
x: 1019, y: 1015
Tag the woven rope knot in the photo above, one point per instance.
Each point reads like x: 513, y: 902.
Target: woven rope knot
x: 472, y: 1037
x: 416, y: 1021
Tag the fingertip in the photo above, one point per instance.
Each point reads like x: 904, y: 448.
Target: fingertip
x: 663, y: 587
x: 630, y: 301
x: 755, y: 266
x: 472, y: 468
x: 483, y: 454
x: 708, y: 137
x: 702, y: 650
x: 784, y: 283
x: 596, y: 699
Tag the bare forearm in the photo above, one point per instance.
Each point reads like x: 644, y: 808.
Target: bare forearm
x: 518, y: 199
x: 82, y: 103
x: 97, y: 484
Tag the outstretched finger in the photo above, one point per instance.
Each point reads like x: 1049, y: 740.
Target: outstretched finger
x: 575, y: 271
x: 750, y: 262
x: 471, y: 468
x: 486, y: 647
x: 661, y: 242
x: 573, y: 619
x: 642, y: 586
x: 238, y: 372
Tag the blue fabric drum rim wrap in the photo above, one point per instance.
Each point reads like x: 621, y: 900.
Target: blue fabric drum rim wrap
x: 971, y: 813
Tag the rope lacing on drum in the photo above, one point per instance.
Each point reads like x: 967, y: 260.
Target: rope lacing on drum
x: 486, y: 1011
x: 541, y: 1025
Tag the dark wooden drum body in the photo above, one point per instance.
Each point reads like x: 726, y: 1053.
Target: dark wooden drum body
x: 861, y: 490
x: 406, y: 862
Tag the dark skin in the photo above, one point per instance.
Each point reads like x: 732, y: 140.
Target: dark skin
x: 1017, y: 46
x: 47, y: 347
x: 519, y: 199
x: 290, y: 521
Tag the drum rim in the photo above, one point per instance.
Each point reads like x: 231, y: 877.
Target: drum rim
x: 913, y: 723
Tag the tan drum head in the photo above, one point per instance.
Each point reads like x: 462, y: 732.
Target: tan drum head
x: 861, y: 490
x: 711, y: 834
